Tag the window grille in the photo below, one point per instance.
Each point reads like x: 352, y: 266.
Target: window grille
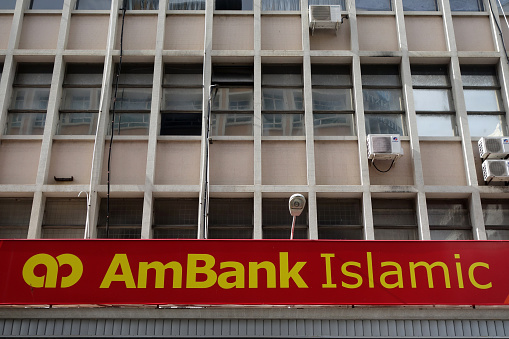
x: 64, y: 218
x: 277, y: 221
x: 394, y: 219
x: 339, y: 218
x: 15, y: 217
x: 496, y: 218
x: 176, y: 218
x: 230, y: 218
x: 125, y: 218
x: 449, y: 219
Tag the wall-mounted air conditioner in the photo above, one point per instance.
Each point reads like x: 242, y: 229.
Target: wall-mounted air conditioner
x: 324, y: 17
x: 495, y: 170
x: 384, y: 146
x: 493, y: 148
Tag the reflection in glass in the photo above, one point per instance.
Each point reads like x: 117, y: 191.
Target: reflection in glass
x: 283, y: 124
x: 30, y: 98
x: 466, y: 5
x: 233, y: 99
x: 382, y: 99
x: 46, y: 4
x: 373, y: 5
x: 505, y: 4
x: 181, y: 124
x: 420, y: 5
x: 7, y: 4
x: 130, y: 124
x: 183, y: 99
x: 396, y: 234
x: 487, y: 125
x: 436, y: 125
x: 232, y: 124
x: 93, y: 4
x: 432, y: 100
x: 82, y: 99
x: 483, y: 100
x: 142, y: 4
x: 332, y: 99
x: 385, y: 124
x: 328, y: 2
x: 133, y: 99
x: 186, y: 5
x: 333, y: 124
x: 451, y: 235
x: 282, y: 99
x: 494, y: 234
x: 77, y: 123
x: 25, y: 123
x: 280, y: 5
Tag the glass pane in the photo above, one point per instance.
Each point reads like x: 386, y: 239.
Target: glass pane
x: 189, y: 5
x: 7, y: 4
x: 373, y: 5
x: 430, y: 80
x: 420, y: 5
x: 283, y: 124
x: 331, y: 79
x: 385, y: 124
x: 275, y: 213
x: 395, y: 212
x: 123, y: 212
x: 448, y: 214
x: 230, y: 233
x: 232, y: 124
x: 143, y: 4
x: 81, y: 99
x: 131, y: 124
x: 505, y: 4
x: 339, y: 233
x: 119, y: 233
x: 479, y: 80
x: 25, y: 123
x: 77, y: 123
x: 133, y: 99
x: 328, y: 2
x: 62, y: 233
x: 284, y: 232
x: 30, y: 98
x: 83, y: 79
x: 282, y: 75
x: 333, y: 124
x: 382, y: 99
x: 183, y: 99
x: 181, y: 124
x: 332, y: 99
x: 483, y: 100
x: 282, y: 99
x: 497, y: 234
x: 495, y: 212
x: 176, y: 212
x: 436, y: 125
x: 175, y: 232
x: 280, y: 5
x: 487, y: 125
x: 466, y: 5
x: 451, y: 235
x: 191, y: 75
x: 234, y: 5
x: 136, y: 76
x: 13, y: 232
x: 15, y: 212
x: 432, y: 100
x: 46, y: 4
x: 233, y: 99
x: 231, y: 212
x: 93, y: 4
x: 332, y: 212
x: 396, y: 234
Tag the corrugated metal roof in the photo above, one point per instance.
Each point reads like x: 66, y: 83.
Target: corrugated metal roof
x: 284, y: 328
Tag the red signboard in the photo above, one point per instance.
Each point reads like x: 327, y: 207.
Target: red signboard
x: 247, y: 272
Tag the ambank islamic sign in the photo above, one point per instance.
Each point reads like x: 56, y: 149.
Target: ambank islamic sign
x: 274, y: 272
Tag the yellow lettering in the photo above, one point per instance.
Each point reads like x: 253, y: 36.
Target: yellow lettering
x: 459, y: 273
x: 285, y: 274
x: 119, y: 260
x: 51, y: 271
x: 76, y: 269
x: 253, y: 274
x: 328, y: 271
x: 472, y: 278
x: 429, y: 267
x: 398, y: 272
x: 193, y: 270
x: 160, y: 273
x: 237, y: 273
x: 351, y: 274
x: 370, y: 270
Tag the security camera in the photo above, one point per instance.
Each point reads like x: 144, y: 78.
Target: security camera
x: 296, y: 204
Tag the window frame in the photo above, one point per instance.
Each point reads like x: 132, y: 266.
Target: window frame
x: 465, y: 229
x: 403, y: 205
x: 334, y: 226
x: 232, y: 205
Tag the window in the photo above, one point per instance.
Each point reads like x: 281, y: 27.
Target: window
x: 134, y: 99
x: 230, y: 218
x: 483, y: 101
x: 46, y: 4
x: 125, y: 219
x: 192, y: 5
x: 282, y: 101
x: 420, y: 5
x: 433, y: 101
x: 394, y: 219
x: 496, y: 218
x: 339, y: 218
x: 181, y: 112
x: 15, y: 217
x: 175, y: 218
x: 30, y: 94
x: 373, y: 5
x: 93, y: 4
x: 232, y: 101
x: 234, y: 5
x: 383, y: 100
x: 64, y: 218
x: 449, y: 220
x: 7, y: 4
x: 280, y: 5
x: 277, y: 221
x: 466, y: 5
x: 80, y: 99
x: 142, y: 4
x: 332, y: 100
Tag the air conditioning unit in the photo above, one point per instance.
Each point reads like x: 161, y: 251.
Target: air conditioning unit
x: 495, y: 170
x: 493, y: 148
x: 324, y: 17
x: 384, y: 146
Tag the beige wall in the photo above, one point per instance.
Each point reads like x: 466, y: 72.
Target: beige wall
x: 281, y: 32
x: 128, y: 163
x: 177, y: 163
x: 284, y: 163
x: 473, y: 33
x: 337, y: 163
x: 330, y: 40
x: 19, y: 161
x: 425, y: 33
x: 71, y: 158
x: 139, y: 32
x: 88, y: 32
x: 231, y: 163
x: 377, y: 33
x: 40, y: 32
x: 233, y: 32
x: 401, y: 173
x: 442, y: 163
x: 184, y: 32
x: 5, y: 30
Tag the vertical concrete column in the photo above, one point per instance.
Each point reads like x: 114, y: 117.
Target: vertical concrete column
x: 257, y: 122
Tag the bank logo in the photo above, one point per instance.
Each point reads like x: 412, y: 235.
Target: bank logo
x: 49, y: 279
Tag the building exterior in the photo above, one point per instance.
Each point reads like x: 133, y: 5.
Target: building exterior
x: 289, y: 111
